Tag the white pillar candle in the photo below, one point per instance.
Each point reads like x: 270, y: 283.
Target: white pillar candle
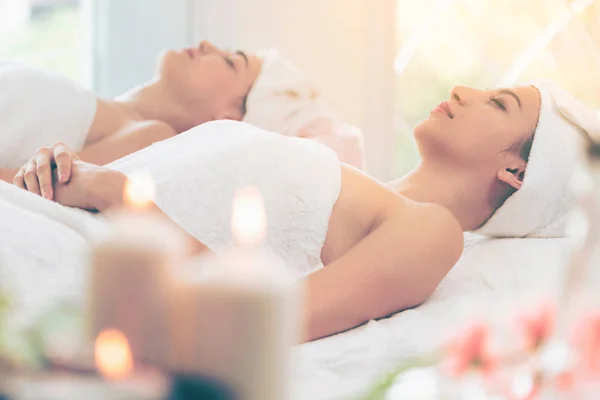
x: 234, y: 317
x: 131, y: 272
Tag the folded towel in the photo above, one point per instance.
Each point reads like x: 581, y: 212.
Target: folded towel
x: 38, y: 108
x: 540, y: 207
x: 282, y: 100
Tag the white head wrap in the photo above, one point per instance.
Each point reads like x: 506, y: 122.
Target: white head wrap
x: 540, y: 207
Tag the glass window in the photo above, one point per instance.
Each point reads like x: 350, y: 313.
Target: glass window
x: 47, y: 33
x: 444, y: 43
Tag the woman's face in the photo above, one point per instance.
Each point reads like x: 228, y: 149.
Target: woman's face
x: 475, y: 129
x: 209, y: 82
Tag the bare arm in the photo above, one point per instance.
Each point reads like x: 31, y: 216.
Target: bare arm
x: 7, y: 175
x: 395, y: 267
x: 127, y: 140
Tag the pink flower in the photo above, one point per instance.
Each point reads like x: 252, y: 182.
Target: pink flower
x: 586, y: 339
x: 470, y: 351
x: 537, y: 326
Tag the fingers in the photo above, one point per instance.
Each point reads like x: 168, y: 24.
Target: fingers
x: 37, y: 175
x: 19, y: 179
x: 31, y: 179
x: 64, y: 160
x: 44, y: 172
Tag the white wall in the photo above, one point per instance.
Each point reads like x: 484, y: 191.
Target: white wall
x: 346, y: 47
x: 128, y: 36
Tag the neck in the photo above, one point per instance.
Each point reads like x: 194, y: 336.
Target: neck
x: 452, y: 190
x: 152, y: 101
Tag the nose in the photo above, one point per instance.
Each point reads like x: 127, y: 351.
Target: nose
x: 457, y: 93
x: 463, y: 94
x: 207, y: 47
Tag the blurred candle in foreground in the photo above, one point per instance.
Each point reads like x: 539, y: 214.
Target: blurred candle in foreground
x: 131, y: 273
x: 118, y: 381
x: 235, y: 316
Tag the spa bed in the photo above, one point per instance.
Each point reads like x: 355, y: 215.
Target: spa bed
x: 491, y: 276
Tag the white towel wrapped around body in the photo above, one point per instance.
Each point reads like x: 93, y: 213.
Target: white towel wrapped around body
x: 197, y: 174
x: 38, y: 108
x: 541, y: 206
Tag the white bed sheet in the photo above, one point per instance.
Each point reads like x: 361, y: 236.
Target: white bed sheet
x: 493, y: 277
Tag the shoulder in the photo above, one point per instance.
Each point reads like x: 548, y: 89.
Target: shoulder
x: 431, y: 226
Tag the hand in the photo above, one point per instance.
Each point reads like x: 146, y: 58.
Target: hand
x: 37, y: 175
x: 90, y: 187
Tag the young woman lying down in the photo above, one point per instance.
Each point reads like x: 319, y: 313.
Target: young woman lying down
x: 366, y: 249
x: 192, y: 86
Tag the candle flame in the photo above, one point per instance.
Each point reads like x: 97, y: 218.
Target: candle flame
x: 248, y: 220
x: 113, y: 355
x: 139, y: 190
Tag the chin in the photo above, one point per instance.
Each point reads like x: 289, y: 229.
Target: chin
x: 169, y: 63
x: 422, y: 130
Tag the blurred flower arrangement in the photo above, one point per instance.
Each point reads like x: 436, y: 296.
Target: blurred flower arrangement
x: 541, y: 363
x: 57, y: 334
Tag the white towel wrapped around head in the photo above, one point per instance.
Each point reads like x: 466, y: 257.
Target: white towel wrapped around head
x: 282, y: 100
x: 540, y: 207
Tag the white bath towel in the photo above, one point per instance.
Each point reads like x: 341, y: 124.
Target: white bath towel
x: 540, y: 207
x: 42, y: 243
x: 38, y: 108
x: 198, y: 172
x: 282, y: 99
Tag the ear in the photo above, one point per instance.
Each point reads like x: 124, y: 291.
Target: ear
x: 513, y: 175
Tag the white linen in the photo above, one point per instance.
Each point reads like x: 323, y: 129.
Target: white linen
x: 42, y: 251
x: 492, y: 276
x: 38, y: 108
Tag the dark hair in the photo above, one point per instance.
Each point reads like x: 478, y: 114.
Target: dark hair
x: 522, y: 147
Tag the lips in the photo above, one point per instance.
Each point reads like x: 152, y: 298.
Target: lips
x: 445, y: 106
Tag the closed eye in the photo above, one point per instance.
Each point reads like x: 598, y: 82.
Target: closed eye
x: 499, y: 103
x: 229, y: 62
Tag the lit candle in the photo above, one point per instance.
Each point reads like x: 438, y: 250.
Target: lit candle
x: 132, y: 269
x: 114, y: 362
x: 234, y: 317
